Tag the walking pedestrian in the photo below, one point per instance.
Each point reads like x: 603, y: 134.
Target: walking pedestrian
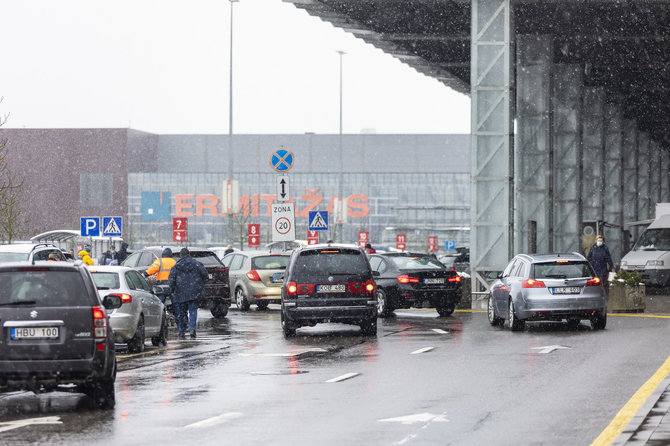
x: 85, y: 257
x: 600, y: 259
x: 187, y: 280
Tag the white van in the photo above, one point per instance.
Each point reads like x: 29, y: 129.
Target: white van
x: 650, y: 256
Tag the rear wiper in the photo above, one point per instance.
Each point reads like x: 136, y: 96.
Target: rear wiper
x: 18, y: 302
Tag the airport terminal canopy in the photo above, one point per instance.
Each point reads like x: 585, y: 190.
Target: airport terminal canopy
x: 622, y: 46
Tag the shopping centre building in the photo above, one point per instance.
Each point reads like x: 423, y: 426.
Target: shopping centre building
x: 417, y: 185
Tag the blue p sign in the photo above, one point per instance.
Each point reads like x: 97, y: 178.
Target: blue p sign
x: 90, y: 227
x: 450, y: 245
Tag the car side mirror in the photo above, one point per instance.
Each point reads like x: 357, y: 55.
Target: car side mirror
x: 112, y: 302
x: 160, y: 290
x: 376, y: 273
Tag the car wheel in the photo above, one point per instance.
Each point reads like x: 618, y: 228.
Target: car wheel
x: 136, y: 343
x: 573, y: 324
x: 262, y: 305
x: 287, y: 327
x: 241, y: 300
x: 493, y: 319
x: 102, y: 392
x: 383, y: 307
x: 219, y: 310
x: 369, y: 327
x: 161, y: 337
x: 445, y: 309
x: 515, y: 324
x: 599, y: 320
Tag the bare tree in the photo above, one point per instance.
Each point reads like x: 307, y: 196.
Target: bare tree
x: 237, y: 228
x: 12, y: 218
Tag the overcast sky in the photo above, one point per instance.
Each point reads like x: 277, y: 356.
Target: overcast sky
x: 162, y: 66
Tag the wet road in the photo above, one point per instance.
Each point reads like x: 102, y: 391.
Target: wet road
x: 423, y: 380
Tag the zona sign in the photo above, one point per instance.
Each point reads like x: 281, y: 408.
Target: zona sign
x: 283, y: 222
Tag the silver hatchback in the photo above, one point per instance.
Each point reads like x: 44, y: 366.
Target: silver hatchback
x: 548, y: 287
x: 142, y: 315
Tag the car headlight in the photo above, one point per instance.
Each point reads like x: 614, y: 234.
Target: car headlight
x: 655, y: 263
x: 624, y: 263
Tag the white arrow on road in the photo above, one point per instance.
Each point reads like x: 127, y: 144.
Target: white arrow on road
x: 549, y: 348
x: 417, y: 418
x: 9, y: 425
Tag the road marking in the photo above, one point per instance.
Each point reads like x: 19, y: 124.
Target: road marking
x: 215, y: 420
x: 549, y: 348
x: 422, y: 350
x: 440, y: 331
x: 343, y: 377
x: 9, y: 425
x: 628, y: 411
x: 417, y: 418
x: 298, y: 353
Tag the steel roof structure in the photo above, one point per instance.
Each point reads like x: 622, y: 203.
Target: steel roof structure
x: 623, y: 46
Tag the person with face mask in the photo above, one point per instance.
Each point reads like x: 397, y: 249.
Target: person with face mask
x: 600, y: 259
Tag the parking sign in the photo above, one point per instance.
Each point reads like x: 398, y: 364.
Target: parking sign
x: 90, y: 227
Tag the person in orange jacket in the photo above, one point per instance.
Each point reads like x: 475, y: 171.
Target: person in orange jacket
x: 161, y: 267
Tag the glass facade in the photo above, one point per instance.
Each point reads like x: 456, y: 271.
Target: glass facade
x: 418, y: 205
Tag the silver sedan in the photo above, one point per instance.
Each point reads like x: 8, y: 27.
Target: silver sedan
x: 141, y: 315
x: 548, y: 287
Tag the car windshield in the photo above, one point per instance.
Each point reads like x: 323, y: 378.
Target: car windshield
x: 106, y: 280
x: 207, y: 258
x: 330, y: 261
x: 269, y: 262
x: 13, y: 256
x: 563, y: 270
x: 42, y: 288
x: 417, y: 262
x: 654, y: 239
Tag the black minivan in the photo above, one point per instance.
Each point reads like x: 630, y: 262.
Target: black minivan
x: 328, y: 283
x: 54, y: 330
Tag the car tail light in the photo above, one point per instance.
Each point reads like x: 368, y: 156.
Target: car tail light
x: 99, y: 323
x: 291, y: 288
x: 455, y: 278
x: 532, y: 283
x: 407, y: 279
x: 370, y: 286
x: 125, y: 298
x: 594, y: 281
x: 253, y: 275
x: 362, y: 287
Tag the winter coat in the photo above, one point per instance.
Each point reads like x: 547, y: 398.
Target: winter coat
x: 187, y: 280
x: 83, y: 255
x: 122, y: 253
x: 600, y: 259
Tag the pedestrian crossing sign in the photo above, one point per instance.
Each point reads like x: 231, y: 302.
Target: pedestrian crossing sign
x: 111, y: 226
x: 318, y: 220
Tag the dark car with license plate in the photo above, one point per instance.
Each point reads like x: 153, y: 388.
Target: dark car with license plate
x: 328, y: 283
x: 217, y: 288
x: 54, y: 332
x: 406, y: 280
x: 548, y: 287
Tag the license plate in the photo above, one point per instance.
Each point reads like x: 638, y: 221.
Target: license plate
x: 339, y: 288
x: 277, y: 278
x: 567, y: 290
x: 34, y: 333
x: 429, y: 281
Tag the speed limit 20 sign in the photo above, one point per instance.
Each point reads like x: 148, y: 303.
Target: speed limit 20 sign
x: 254, y: 233
x: 283, y: 222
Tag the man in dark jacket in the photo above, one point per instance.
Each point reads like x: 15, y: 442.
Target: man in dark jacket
x: 600, y: 259
x: 187, y: 281
x: 122, y: 253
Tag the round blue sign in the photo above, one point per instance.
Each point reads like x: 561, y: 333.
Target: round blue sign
x: 281, y: 160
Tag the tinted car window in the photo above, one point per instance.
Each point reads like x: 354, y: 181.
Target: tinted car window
x: 133, y: 283
x: 46, y: 288
x: 13, y: 256
x: 131, y: 261
x: 319, y: 262
x: 206, y: 258
x: 106, y: 281
x: 140, y: 281
x: 236, y: 262
x: 508, y: 269
x: 375, y: 263
x: 147, y: 259
x: 562, y: 270
x: 269, y: 262
x: 417, y: 262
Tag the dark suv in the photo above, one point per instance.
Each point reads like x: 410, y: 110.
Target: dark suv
x: 55, y: 331
x: 217, y: 288
x: 328, y: 283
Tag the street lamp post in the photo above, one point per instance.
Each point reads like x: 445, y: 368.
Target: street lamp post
x: 230, y: 103
x: 341, y: 173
